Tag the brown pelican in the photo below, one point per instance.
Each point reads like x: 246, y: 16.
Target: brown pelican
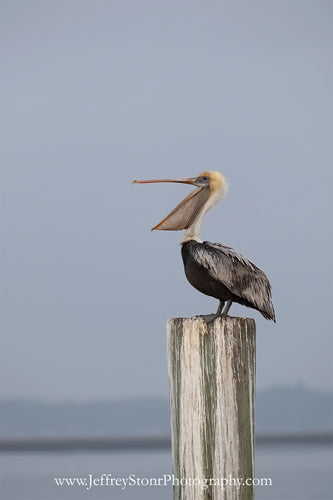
x: 212, y: 268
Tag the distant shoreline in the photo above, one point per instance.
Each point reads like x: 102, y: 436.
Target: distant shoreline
x: 142, y: 443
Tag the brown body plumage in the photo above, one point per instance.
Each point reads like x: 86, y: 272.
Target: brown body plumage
x: 220, y: 272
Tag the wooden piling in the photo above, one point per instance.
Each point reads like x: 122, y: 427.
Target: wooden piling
x: 211, y: 365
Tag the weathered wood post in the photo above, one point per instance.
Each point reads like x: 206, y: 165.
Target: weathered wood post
x: 211, y: 368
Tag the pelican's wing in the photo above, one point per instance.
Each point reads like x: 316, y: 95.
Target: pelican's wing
x: 185, y: 213
x: 239, y: 275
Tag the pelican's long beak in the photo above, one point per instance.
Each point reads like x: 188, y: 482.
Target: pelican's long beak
x: 189, y: 180
x: 187, y: 211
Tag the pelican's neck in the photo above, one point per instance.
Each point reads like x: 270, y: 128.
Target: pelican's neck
x: 192, y: 232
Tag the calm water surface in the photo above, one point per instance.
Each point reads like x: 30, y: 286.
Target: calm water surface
x: 300, y: 472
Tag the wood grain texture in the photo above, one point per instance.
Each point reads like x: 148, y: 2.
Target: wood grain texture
x: 211, y: 367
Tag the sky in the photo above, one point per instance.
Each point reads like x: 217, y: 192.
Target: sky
x: 98, y: 93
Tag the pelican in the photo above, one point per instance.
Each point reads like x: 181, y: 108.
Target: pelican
x: 212, y: 268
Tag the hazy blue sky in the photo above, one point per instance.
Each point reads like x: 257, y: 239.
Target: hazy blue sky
x: 98, y: 93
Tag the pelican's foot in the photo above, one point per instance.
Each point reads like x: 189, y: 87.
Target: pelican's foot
x: 212, y: 317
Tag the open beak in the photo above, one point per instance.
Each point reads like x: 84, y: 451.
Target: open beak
x: 187, y: 211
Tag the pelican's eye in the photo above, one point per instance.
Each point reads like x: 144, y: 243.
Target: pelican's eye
x: 203, y: 180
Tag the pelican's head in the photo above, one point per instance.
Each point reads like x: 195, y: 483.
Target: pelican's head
x: 211, y: 186
x: 213, y: 180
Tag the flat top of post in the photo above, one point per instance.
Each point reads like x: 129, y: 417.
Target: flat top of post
x: 210, y: 319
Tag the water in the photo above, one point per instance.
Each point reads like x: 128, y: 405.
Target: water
x: 302, y: 472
